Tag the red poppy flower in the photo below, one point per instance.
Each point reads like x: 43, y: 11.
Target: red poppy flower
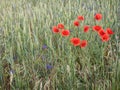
x: 65, y: 32
x: 97, y: 28
x: 83, y: 43
x: 60, y: 26
x: 81, y: 18
x: 101, y: 32
x: 75, y: 41
x: 109, y: 31
x: 98, y: 16
x: 76, y: 23
x: 86, y: 28
x: 55, y: 29
x: 105, y: 37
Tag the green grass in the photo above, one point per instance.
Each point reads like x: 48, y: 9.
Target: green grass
x: 26, y: 25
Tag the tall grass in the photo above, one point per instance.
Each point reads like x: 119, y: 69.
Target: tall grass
x: 25, y: 26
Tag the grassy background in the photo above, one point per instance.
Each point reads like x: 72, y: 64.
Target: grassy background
x: 25, y: 26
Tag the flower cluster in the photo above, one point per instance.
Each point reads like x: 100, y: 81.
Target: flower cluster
x: 60, y: 29
x: 78, y: 42
x: 103, y: 34
x: 75, y: 41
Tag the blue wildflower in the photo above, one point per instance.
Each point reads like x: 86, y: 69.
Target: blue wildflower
x: 44, y: 46
x: 48, y: 66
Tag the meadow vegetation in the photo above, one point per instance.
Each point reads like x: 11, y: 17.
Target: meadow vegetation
x: 32, y: 57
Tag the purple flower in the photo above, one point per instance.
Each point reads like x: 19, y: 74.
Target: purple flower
x: 44, y: 46
x: 48, y: 66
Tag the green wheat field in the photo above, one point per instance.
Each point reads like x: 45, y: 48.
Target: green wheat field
x: 32, y: 57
